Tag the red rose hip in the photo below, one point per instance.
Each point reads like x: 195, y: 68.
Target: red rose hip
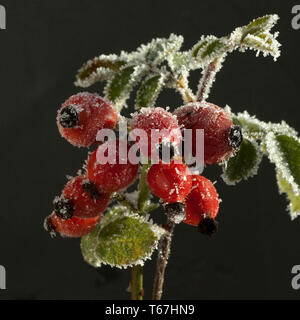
x: 156, y: 122
x: 111, y: 177
x: 82, y: 115
x: 170, y: 181
x: 202, y: 205
x: 221, y: 137
x: 73, y: 228
x: 80, y: 198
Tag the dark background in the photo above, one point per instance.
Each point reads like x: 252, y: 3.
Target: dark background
x: 45, y: 43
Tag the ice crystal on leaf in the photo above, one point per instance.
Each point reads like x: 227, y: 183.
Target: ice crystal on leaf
x: 294, y: 199
x: 209, y: 48
x: 255, y: 128
x: 156, y: 51
x: 99, y: 69
x: 243, y: 164
x: 263, y: 42
x: 149, y: 91
x: 260, y: 25
x: 284, y: 152
x: 118, y: 88
x: 121, y: 240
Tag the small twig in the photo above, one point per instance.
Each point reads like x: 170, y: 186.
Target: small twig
x: 209, y: 75
x: 162, y: 260
x: 185, y: 91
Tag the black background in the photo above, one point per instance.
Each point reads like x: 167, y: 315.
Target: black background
x: 45, y: 43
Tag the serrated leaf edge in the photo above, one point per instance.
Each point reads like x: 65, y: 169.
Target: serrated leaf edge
x: 276, y: 157
x: 271, y: 22
x: 171, y: 44
x: 157, y: 230
x: 139, y: 71
x: 265, y: 127
x: 289, y: 209
x: 101, y: 73
x: 258, y: 44
x: 251, y: 173
x: 156, y: 92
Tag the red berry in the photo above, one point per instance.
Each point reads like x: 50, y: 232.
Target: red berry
x: 82, y: 115
x: 203, y: 201
x: 221, y: 137
x: 111, y: 177
x: 171, y: 182
x: 80, y: 198
x: 159, y: 122
x: 73, y: 228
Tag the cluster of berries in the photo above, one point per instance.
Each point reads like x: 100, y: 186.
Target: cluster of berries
x: 190, y: 198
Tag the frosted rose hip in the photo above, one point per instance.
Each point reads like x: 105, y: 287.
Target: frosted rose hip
x: 73, y: 228
x: 202, y: 203
x: 221, y: 137
x: 170, y: 181
x: 156, y: 121
x: 80, y: 198
x: 111, y: 177
x: 82, y: 115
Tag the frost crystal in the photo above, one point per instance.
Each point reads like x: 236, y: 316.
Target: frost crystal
x: 157, y: 50
x: 99, y: 68
x: 244, y: 164
x: 277, y: 156
x: 122, y: 239
x: 294, y: 200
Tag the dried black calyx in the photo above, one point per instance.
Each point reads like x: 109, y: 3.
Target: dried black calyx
x: 63, y: 208
x: 175, y: 212
x: 235, y: 137
x: 91, y: 189
x: 49, y: 227
x: 208, y: 226
x: 166, y: 150
x: 68, y: 117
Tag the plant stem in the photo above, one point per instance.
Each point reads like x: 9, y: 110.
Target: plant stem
x: 143, y: 189
x: 137, y: 291
x: 208, y: 78
x: 162, y: 260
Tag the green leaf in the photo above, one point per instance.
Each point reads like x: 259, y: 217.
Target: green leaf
x: 181, y: 61
x: 98, y: 69
x: 119, y: 87
x: 198, y: 46
x: 252, y: 127
x: 284, y: 152
x: 158, y: 50
x: 243, y: 164
x: 216, y: 47
x: 250, y: 124
x: 209, y: 48
x: 260, y: 25
x: 149, y: 91
x: 121, y: 240
x: 285, y: 187
x: 264, y: 42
